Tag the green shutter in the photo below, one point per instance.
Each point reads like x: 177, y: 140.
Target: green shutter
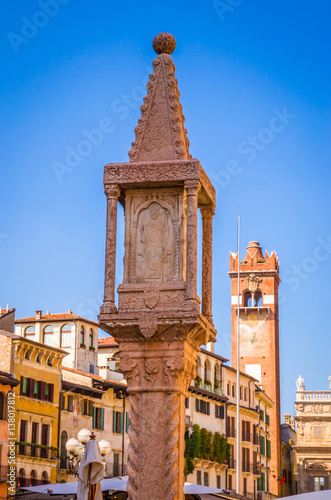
x: 94, y: 423
x: 262, y: 445
x: 267, y: 419
x: 35, y: 388
x: 25, y: 385
x: 114, y: 421
x: 262, y: 415
x: 122, y: 423
x: 127, y: 422
x: 102, y: 419
x: 268, y: 449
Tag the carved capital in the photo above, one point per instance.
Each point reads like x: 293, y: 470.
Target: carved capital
x: 192, y: 187
x: 207, y: 211
x: 112, y: 191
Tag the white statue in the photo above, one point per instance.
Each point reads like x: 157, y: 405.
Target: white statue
x: 299, y: 384
x: 330, y: 382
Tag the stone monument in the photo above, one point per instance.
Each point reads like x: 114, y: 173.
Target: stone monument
x: 159, y: 324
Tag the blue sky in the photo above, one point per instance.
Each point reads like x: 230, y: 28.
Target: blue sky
x: 70, y: 67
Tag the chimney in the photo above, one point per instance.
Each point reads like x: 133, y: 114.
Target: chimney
x: 38, y: 314
x: 7, y: 308
x: 287, y: 418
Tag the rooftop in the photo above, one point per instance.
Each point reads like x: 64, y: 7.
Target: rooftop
x: 55, y: 317
x: 107, y: 342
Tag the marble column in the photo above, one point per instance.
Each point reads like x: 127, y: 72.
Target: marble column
x: 158, y: 375
x: 192, y: 190
x: 207, y: 259
x: 112, y: 192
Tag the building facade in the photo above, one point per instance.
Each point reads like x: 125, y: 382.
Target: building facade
x: 313, y: 447
x: 38, y: 367
x: 77, y: 335
x: 289, y: 472
x: 259, y: 334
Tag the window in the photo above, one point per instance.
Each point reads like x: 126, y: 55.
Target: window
x: 2, y: 406
x: 245, y: 486
x: 199, y: 481
x: 98, y: 418
x: 88, y: 407
x: 127, y: 422
x: 258, y: 299
x: 21, y: 478
x: 202, y: 406
x: 68, y: 403
x: 187, y: 403
x: 241, y: 392
x: 23, y: 436
x: 245, y: 460
x: 49, y: 392
x: 44, y: 478
x: 245, y: 394
x: 219, y: 411
x: 118, y: 422
x: 44, y: 440
x: 262, y: 445
x: 246, y: 431
x: 267, y: 419
x: 262, y: 415
x: 231, y: 427
x: 218, y: 482
x: 48, y: 335
x: 268, y: 449
x: 63, y: 450
x: 233, y: 390
x: 261, y: 482
x: 91, y: 339
x: 34, y: 438
x: 228, y: 389
x: 82, y: 336
x: 248, y: 299
x: 206, y: 479
x: 33, y: 478
x: 66, y: 337
x: 30, y: 332
x: 91, y: 368
x: 230, y: 482
x: 116, y: 464
x: 319, y: 483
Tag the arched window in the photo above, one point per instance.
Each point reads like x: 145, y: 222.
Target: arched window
x: 63, y: 450
x: 21, y: 478
x: 207, y: 372
x: 82, y: 336
x: 91, y: 338
x: 30, y: 332
x: 48, y: 335
x: 33, y: 478
x: 2, y: 406
x: 66, y: 337
x: 258, y: 299
x: 216, y: 375
x: 199, y: 368
x: 44, y: 478
x: 248, y: 299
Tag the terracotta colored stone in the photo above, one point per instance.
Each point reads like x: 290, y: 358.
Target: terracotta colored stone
x: 158, y: 324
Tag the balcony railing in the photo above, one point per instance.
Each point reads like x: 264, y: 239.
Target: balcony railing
x: 313, y: 396
x: 247, y: 436
x: 37, y: 451
x: 256, y: 439
x: 247, y: 467
x: 232, y: 463
x: 231, y: 432
x: 256, y: 469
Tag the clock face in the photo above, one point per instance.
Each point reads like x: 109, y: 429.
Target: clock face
x: 250, y: 328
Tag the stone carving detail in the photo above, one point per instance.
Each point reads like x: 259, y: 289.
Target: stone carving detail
x: 129, y: 368
x: 154, y: 245
x: 253, y: 282
x: 162, y: 121
x: 300, y: 384
x: 172, y: 438
x: 133, y: 448
x: 152, y: 369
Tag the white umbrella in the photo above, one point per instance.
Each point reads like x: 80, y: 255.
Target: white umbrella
x: 91, y: 471
x: 196, y: 489
x: 313, y: 495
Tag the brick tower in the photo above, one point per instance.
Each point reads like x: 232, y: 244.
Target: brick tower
x: 259, y: 332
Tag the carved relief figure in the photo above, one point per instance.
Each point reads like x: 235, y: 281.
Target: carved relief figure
x: 154, y: 244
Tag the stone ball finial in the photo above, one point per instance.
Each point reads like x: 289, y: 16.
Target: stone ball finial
x: 164, y: 43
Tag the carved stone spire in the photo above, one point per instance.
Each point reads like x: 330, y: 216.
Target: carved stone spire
x: 160, y: 134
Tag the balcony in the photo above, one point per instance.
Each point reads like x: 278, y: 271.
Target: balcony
x: 247, y: 467
x: 313, y: 395
x: 256, y: 469
x: 247, y: 436
x: 231, y: 432
x: 37, y: 451
x: 231, y: 463
x: 256, y: 439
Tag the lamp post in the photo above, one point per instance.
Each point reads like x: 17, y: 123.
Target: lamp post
x: 76, y: 447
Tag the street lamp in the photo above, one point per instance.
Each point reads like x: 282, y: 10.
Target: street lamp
x: 76, y: 447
